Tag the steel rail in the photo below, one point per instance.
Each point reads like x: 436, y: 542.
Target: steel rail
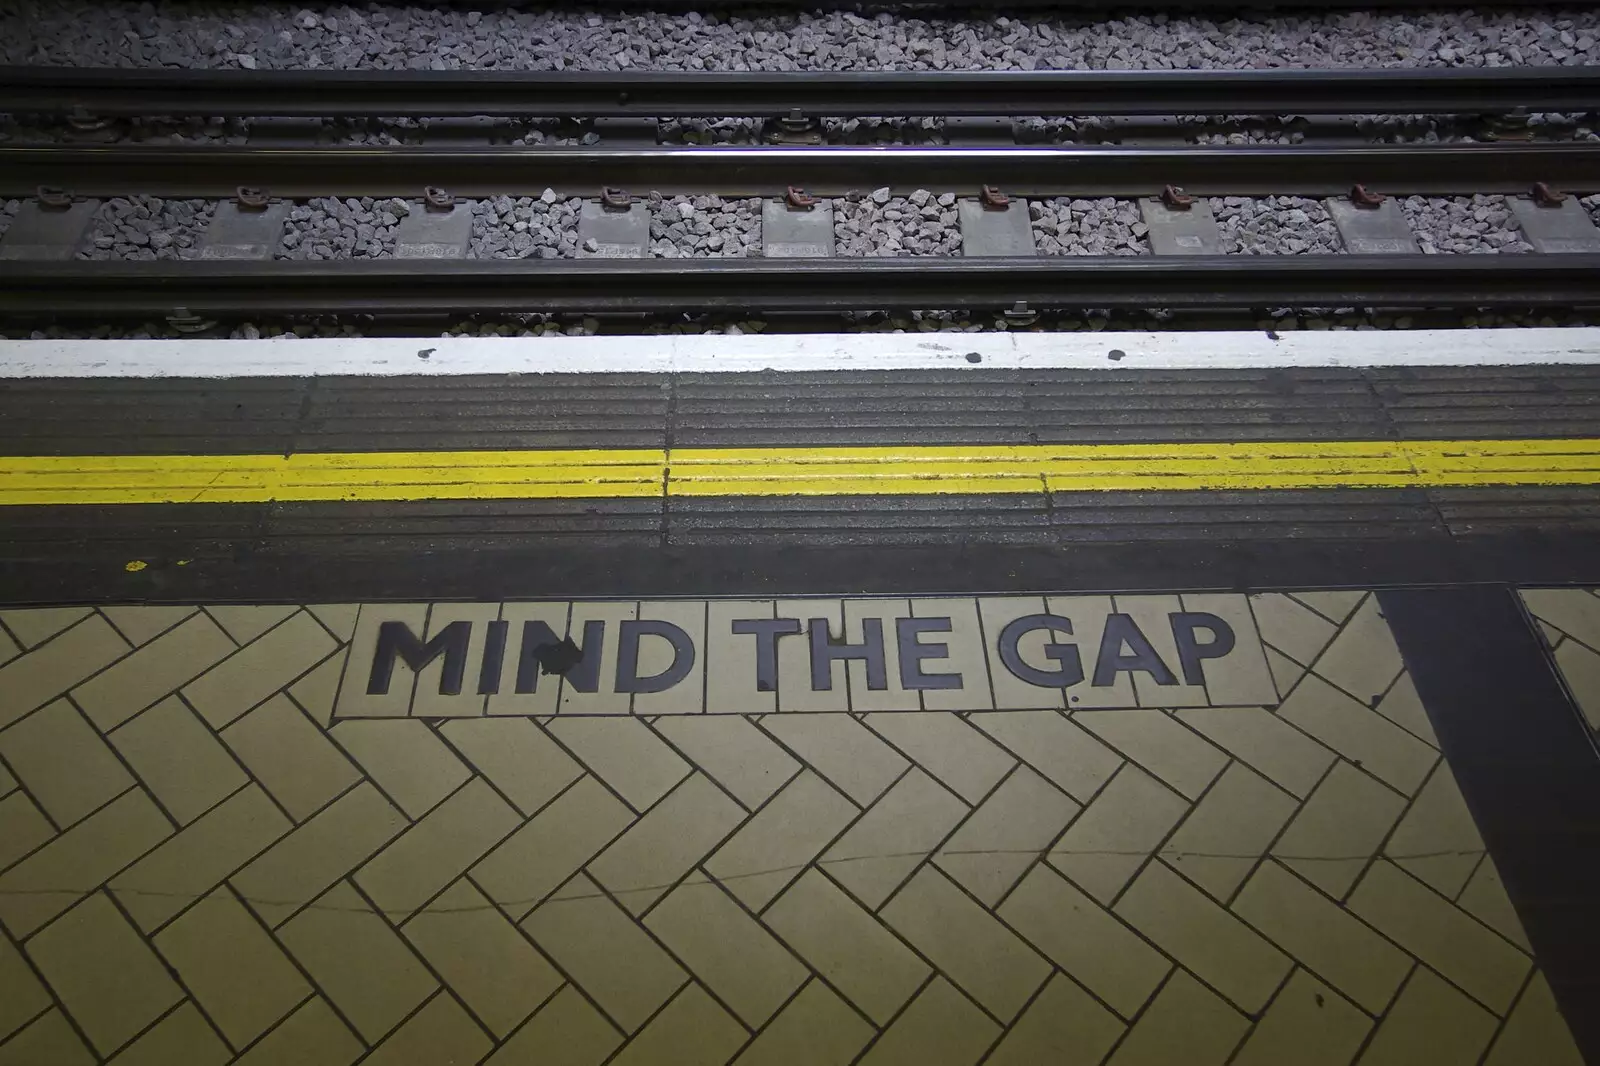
x: 581, y: 94
x: 399, y: 287
x: 1255, y: 170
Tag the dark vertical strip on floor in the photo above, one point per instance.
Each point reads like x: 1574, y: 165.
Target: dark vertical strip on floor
x: 1526, y: 766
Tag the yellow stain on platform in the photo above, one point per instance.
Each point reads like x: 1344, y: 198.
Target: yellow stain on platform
x: 783, y: 471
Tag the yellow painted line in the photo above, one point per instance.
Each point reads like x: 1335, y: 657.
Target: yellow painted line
x: 310, y: 476
x: 781, y: 471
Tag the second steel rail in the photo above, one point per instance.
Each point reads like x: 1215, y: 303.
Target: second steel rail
x: 584, y: 94
x: 1251, y: 170
x: 402, y: 287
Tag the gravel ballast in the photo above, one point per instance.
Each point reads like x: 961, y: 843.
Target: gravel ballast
x: 880, y: 224
x: 1463, y: 224
x: 526, y: 227
x: 1105, y: 226
x: 1274, y: 225
x: 146, y: 227
x: 330, y: 228
x: 262, y: 36
x: 704, y: 226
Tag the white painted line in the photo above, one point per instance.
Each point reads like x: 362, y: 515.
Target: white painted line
x: 453, y: 356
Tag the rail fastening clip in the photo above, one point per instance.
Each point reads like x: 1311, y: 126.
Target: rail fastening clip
x: 1362, y: 196
x: 1545, y: 196
x: 1176, y: 199
x: 251, y: 198
x: 53, y: 199
x: 798, y: 199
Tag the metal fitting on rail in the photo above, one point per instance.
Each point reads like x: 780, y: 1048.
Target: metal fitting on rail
x: 797, y: 199
x: 1176, y: 199
x: 1020, y: 314
x: 437, y: 199
x: 182, y: 320
x: 1545, y: 196
x: 1362, y: 196
x: 614, y: 199
x: 993, y: 199
x: 797, y: 128
x: 53, y: 199
x: 1509, y: 126
x: 82, y: 121
x: 251, y: 198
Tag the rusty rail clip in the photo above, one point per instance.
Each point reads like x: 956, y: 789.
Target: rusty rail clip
x: 1545, y: 196
x: 250, y: 198
x: 993, y: 199
x: 53, y: 199
x: 1176, y: 199
x: 613, y: 199
x: 798, y: 199
x: 1362, y: 196
x: 437, y: 199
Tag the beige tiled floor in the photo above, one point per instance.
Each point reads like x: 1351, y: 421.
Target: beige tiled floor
x: 1570, y: 622
x: 216, y: 846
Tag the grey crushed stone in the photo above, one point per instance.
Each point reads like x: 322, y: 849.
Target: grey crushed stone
x: 1463, y: 224
x: 331, y: 228
x: 1258, y: 129
x: 280, y: 36
x: 146, y: 227
x: 1378, y: 129
x: 880, y: 224
x: 1275, y: 225
x: 1424, y: 129
x: 8, y: 211
x: 153, y: 131
x: 926, y: 130
x: 1090, y: 129
x: 709, y: 131
x: 525, y: 227
x: 858, y: 130
x: 1232, y: 137
x: 704, y: 226
x: 526, y: 326
x: 152, y: 330
x: 403, y: 131
x: 1103, y: 226
x: 376, y: 133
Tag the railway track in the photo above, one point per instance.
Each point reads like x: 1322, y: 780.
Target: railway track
x: 994, y: 189
x: 633, y: 94
x: 661, y: 286
x: 299, y: 173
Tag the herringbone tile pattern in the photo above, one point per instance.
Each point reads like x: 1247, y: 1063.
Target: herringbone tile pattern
x: 1570, y: 622
x: 200, y: 864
